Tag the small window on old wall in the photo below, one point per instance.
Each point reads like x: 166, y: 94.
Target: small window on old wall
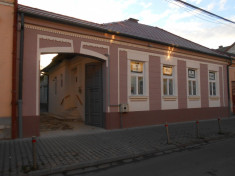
x: 192, y: 82
x: 168, y: 80
x: 212, y: 83
x: 137, y: 78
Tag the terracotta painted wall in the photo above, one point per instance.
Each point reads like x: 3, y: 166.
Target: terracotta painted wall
x: 123, y: 76
x: 204, y: 86
x: 154, y: 83
x: 6, y: 31
x: 113, y: 77
x: 182, y: 85
x: 29, y: 73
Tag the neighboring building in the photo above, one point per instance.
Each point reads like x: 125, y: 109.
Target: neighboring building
x: 230, y: 51
x: 103, y: 70
x: 6, y: 50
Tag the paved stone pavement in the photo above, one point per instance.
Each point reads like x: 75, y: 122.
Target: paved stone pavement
x: 72, y: 154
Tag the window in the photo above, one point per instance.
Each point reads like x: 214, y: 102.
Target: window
x: 212, y: 83
x: 137, y: 78
x: 168, y: 80
x: 192, y: 82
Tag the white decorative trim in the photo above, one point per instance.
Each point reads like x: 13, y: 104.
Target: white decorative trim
x: 34, y: 27
x: 56, y: 50
x: 93, y: 53
x: 169, y: 98
x: 214, y: 101
x: 138, y: 103
x: 194, y: 98
x: 214, y: 98
x: 138, y: 98
x: 7, y: 4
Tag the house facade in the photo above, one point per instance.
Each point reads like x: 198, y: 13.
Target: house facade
x: 117, y: 75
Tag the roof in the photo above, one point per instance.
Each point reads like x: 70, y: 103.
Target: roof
x: 128, y: 28
x: 225, y: 48
x: 134, y: 28
x: 57, y: 60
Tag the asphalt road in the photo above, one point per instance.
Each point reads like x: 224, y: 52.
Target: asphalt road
x: 214, y: 159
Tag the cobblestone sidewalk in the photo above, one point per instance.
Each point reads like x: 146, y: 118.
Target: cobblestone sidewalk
x: 66, y: 153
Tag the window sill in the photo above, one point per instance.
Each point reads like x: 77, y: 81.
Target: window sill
x: 138, y: 98
x: 214, y: 98
x: 193, y: 98
x: 169, y: 98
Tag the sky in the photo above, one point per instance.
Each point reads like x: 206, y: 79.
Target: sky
x: 166, y: 14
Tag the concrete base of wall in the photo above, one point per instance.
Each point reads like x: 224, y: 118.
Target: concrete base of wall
x: 145, y: 118
x: 5, y: 127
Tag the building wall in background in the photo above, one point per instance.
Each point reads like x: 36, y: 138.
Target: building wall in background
x: 6, y: 45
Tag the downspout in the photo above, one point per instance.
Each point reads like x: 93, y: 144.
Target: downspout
x: 14, y: 55
x: 228, y: 86
x: 20, y: 124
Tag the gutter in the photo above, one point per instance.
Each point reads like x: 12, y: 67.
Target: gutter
x: 14, y: 58
x: 20, y: 124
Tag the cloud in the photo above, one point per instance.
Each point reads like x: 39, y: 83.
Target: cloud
x: 210, y: 6
x: 210, y: 36
x: 96, y: 11
x: 222, y: 4
x: 146, y: 5
x: 196, y: 1
x: 148, y: 17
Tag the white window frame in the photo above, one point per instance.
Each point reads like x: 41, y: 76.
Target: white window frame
x: 190, y: 82
x: 213, y: 92
x: 168, y: 78
x: 137, y: 75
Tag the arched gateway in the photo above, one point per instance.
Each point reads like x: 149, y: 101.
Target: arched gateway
x: 44, y: 37
x: 131, y: 74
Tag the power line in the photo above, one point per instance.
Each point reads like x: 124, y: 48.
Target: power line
x: 199, y: 14
x: 204, y: 11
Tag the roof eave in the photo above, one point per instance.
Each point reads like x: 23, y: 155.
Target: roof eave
x: 113, y: 32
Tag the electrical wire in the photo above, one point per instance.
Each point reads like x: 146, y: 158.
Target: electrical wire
x: 199, y: 14
x: 204, y: 11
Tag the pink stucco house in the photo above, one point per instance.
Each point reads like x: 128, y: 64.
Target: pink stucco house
x: 120, y: 74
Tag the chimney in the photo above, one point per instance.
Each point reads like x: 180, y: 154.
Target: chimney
x: 133, y: 20
x: 221, y: 46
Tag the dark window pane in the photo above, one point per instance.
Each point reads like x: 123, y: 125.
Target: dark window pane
x: 165, y: 86
x: 140, y: 86
x: 214, y: 88
x: 189, y: 87
x: 133, y: 85
x: 194, y: 88
x: 170, y: 87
